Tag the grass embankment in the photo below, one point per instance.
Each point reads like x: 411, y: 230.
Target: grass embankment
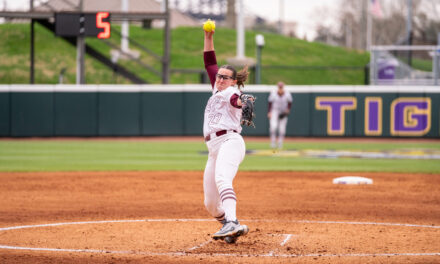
x: 53, y: 54
x: 107, y: 155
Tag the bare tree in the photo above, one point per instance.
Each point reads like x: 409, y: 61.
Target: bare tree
x: 389, y: 29
x: 350, y: 29
x: 427, y: 23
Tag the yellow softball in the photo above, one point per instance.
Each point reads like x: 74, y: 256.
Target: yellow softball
x: 209, y: 25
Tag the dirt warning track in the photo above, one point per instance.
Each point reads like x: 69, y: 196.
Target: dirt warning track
x: 158, y: 217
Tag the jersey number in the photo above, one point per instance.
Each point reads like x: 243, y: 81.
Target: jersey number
x: 214, y: 118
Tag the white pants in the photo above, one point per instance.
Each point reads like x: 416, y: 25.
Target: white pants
x: 277, y: 125
x: 225, y: 155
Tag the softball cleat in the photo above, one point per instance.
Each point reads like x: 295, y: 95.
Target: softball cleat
x: 230, y: 239
x: 231, y: 229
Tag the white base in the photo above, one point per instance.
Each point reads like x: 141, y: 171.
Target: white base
x: 352, y: 180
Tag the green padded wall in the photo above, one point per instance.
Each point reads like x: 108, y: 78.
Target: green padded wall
x: 119, y: 114
x: 76, y: 114
x: 100, y: 112
x: 162, y: 114
x: 32, y: 114
x: 5, y: 120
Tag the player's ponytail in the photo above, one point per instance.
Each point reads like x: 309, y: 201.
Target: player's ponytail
x: 240, y: 76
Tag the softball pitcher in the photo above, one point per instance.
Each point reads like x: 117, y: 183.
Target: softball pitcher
x: 280, y: 103
x: 221, y: 129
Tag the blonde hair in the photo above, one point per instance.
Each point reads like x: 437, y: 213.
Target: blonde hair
x: 240, y: 76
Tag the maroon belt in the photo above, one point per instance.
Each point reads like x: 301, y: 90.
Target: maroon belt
x: 217, y: 134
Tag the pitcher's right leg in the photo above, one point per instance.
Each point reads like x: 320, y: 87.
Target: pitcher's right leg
x: 230, y: 156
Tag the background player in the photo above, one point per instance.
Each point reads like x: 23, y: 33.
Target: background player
x: 221, y: 129
x: 280, y: 103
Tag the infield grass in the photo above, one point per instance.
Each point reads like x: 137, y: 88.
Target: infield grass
x: 129, y: 155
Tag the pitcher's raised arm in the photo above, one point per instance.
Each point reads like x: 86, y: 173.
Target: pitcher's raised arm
x: 209, y: 57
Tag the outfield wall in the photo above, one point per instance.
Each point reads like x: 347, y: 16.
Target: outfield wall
x: 171, y: 110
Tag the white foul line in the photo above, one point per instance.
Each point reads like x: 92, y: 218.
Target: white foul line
x: 183, y: 253
x: 271, y: 254
x: 213, y: 220
x: 107, y: 222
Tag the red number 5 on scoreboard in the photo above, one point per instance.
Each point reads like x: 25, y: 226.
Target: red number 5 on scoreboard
x: 104, y: 25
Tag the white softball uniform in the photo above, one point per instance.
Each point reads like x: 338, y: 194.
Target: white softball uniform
x: 226, y: 147
x: 280, y: 104
x: 220, y: 114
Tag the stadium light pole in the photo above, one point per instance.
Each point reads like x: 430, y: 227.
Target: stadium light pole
x: 436, y: 67
x: 409, y: 23
x: 409, y: 30
x: 281, y: 13
x: 240, y: 59
x: 124, y: 28
x: 32, y: 70
x: 369, y: 26
x: 166, y: 44
x: 259, y: 40
x: 240, y: 30
x: 80, y: 50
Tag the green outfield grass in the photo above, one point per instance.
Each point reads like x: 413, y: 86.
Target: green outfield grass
x: 53, y: 54
x: 120, y: 155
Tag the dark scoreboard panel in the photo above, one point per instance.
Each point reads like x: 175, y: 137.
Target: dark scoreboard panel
x: 83, y: 24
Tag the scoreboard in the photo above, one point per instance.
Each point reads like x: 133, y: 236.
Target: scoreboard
x: 69, y: 24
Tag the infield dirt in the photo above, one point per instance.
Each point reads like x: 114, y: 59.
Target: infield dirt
x: 273, y: 204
